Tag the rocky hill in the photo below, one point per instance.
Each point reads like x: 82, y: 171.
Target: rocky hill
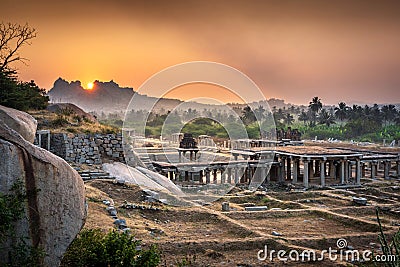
x: 107, y: 97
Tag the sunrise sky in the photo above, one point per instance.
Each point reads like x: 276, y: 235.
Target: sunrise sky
x: 293, y: 50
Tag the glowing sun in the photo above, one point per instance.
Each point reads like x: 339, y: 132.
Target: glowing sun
x: 89, y: 86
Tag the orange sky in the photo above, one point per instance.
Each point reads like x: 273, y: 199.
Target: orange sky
x: 294, y: 50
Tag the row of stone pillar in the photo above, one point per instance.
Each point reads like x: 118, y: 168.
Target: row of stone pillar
x: 375, y: 166
x: 290, y: 170
x: 220, y: 175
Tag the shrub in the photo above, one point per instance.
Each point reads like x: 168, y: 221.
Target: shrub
x: 96, y: 248
x: 22, y: 254
x: 59, y: 121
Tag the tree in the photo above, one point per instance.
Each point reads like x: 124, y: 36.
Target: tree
x: 259, y: 112
x: 315, y: 106
x: 303, y: 117
x: 248, y: 116
x: 12, y: 37
x: 288, y: 119
x: 389, y: 113
x: 21, y: 95
x: 341, y: 111
x: 279, y: 115
x: 13, y: 93
x: 326, y: 118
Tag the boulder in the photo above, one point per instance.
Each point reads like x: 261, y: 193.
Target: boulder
x: 55, y: 209
x: 21, y: 122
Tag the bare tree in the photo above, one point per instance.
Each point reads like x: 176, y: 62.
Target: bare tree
x: 12, y: 37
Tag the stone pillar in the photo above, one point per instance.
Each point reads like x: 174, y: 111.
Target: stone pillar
x: 322, y: 171
x: 288, y: 168
x: 283, y: 169
x: 215, y: 175
x: 311, y: 168
x: 346, y: 170
x: 362, y: 169
x: 207, y: 176
x: 282, y: 172
x: 245, y: 175
x: 386, y: 170
x: 263, y: 172
x: 295, y: 173
x: 222, y: 176
x: 200, y: 177
x: 358, y: 172
x: 342, y: 171
x: 350, y: 170
x: 236, y: 174
x: 229, y: 174
x: 306, y: 172
x: 48, y: 141
x: 373, y: 170
x: 40, y: 140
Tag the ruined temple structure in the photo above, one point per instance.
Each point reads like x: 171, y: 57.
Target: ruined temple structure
x: 289, y: 134
x: 188, y: 144
x: 188, y: 141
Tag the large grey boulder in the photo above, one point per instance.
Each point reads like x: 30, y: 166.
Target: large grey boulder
x: 19, y: 121
x: 55, y: 209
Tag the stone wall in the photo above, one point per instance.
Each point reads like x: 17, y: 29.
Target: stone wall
x: 88, y: 148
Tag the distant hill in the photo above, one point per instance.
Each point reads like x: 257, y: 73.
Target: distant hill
x: 109, y: 97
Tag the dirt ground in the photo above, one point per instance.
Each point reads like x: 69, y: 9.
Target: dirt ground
x: 206, y: 236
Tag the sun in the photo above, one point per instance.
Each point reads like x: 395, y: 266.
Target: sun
x: 89, y: 86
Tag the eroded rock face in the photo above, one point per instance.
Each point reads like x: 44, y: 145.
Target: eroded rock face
x: 19, y: 121
x: 55, y: 214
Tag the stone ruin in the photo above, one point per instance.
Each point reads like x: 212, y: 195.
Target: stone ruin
x: 188, y: 142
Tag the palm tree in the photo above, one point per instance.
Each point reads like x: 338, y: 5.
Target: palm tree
x: 288, y: 119
x: 341, y: 111
x: 376, y: 114
x: 389, y: 113
x: 279, y: 115
x: 326, y: 118
x: 259, y: 112
x: 315, y: 106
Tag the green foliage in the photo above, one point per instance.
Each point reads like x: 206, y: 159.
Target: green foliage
x: 96, y: 248
x: 24, y: 255
x: 21, y: 95
x: 204, y: 126
x: 356, y: 128
x: 11, y: 211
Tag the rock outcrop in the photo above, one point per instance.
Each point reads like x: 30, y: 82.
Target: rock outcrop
x: 19, y: 121
x: 55, y: 210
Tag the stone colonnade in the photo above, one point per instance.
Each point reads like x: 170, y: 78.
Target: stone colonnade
x: 233, y: 173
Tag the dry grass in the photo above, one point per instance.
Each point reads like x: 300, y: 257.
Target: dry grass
x: 69, y: 123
